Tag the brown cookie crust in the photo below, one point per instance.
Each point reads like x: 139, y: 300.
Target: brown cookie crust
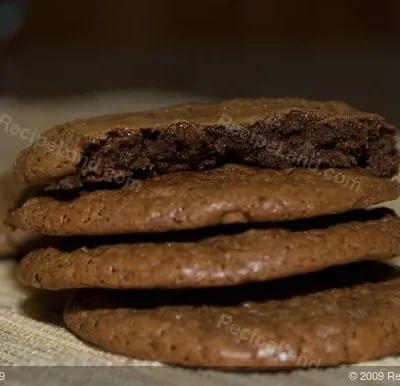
x: 13, y: 242
x: 321, y: 319
x: 271, y: 133
x: 265, y: 253
x: 190, y: 200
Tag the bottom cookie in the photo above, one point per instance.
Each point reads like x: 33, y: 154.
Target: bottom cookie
x: 341, y: 315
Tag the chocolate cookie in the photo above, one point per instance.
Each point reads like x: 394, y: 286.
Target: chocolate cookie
x: 195, y: 261
x: 12, y: 242
x: 189, y: 200
x: 336, y: 316
x: 271, y: 133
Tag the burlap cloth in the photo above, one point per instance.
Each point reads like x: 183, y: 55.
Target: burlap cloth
x: 35, y: 348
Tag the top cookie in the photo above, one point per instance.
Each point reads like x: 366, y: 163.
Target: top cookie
x: 273, y: 133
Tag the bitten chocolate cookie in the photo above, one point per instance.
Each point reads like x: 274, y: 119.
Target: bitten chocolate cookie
x: 336, y: 316
x: 254, y: 255
x: 270, y: 133
x: 189, y: 200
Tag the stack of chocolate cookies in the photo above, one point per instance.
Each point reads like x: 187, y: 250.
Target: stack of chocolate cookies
x: 236, y: 234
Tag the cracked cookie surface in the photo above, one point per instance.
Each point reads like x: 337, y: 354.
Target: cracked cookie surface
x: 268, y: 133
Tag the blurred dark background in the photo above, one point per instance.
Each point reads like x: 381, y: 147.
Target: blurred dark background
x: 343, y: 49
